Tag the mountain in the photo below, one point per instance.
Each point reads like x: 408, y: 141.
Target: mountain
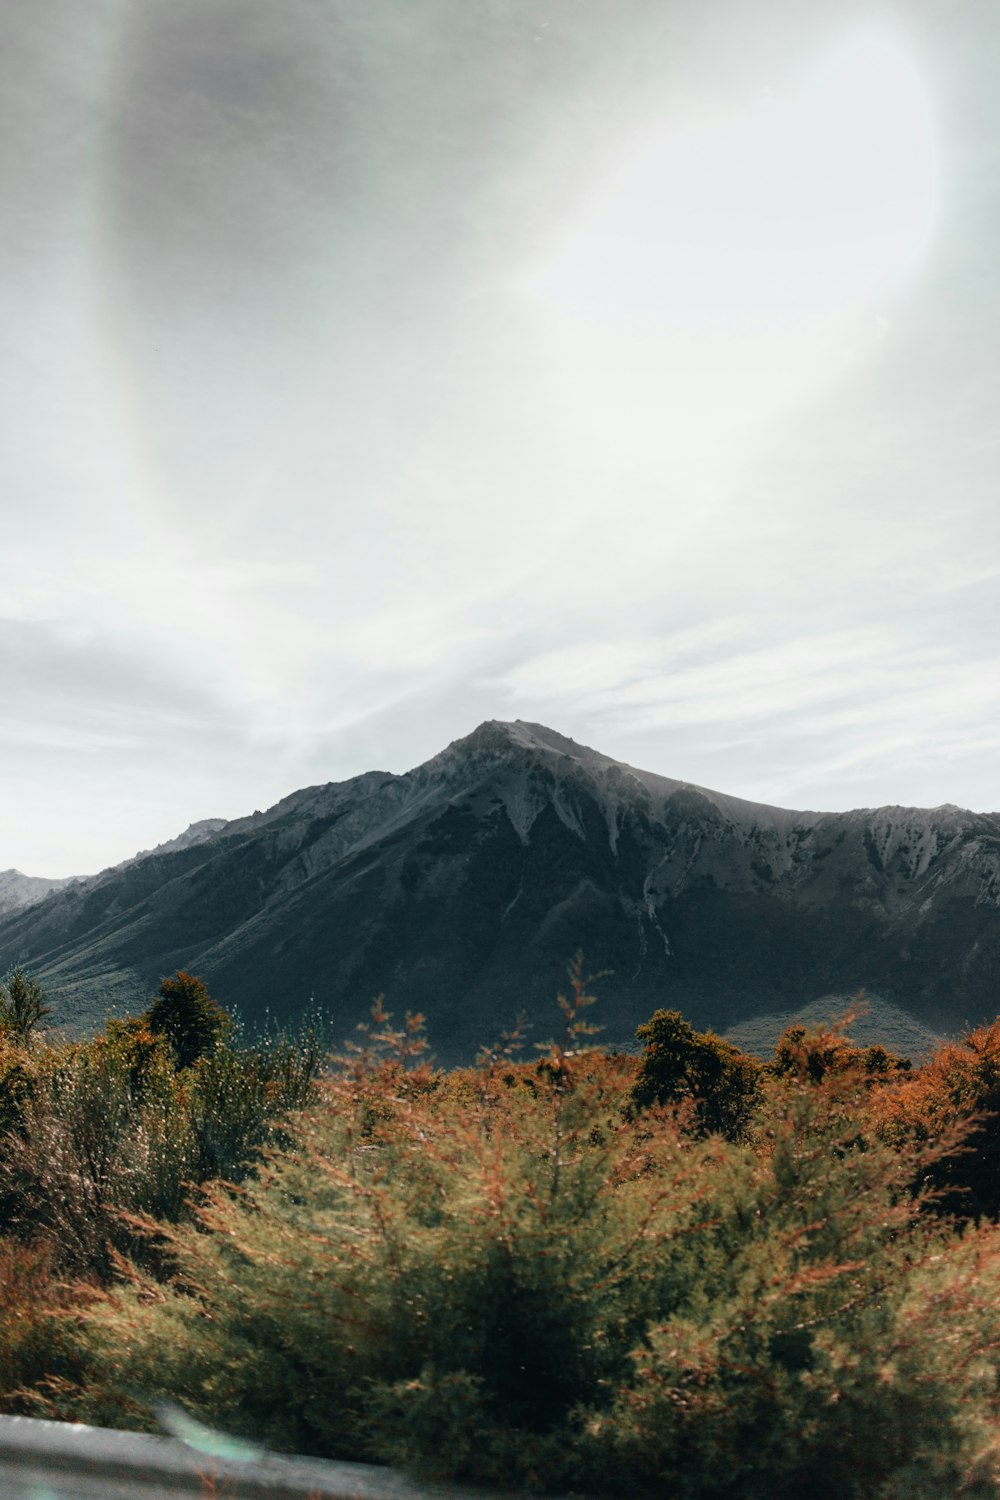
x: 194, y: 833
x: 18, y: 891
x: 463, y: 887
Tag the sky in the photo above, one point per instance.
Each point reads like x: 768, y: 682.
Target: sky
x: 373, y: 369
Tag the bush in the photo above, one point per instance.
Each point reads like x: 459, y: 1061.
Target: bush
x: 814, y: 1052
x: 818, y: 1362
x: 99, y: 1130
x: 104, y: 1130
x: 40, y: 1354
x: 681, y: 1065
x: 955, y: 1099
x: 523, y: 1285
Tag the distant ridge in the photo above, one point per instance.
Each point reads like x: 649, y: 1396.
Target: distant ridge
x: 462, y: 888
x: 195, y: 833
x: 18, y: 891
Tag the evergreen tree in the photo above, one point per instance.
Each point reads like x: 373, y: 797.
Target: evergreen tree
x: 22, y: 1005
x: 680, y: 1064
x: 186, y: 1014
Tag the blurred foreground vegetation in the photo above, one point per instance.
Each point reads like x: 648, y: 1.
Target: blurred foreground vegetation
x: 686, y: 1274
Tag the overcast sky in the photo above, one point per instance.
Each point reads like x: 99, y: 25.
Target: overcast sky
x: 374, y: 367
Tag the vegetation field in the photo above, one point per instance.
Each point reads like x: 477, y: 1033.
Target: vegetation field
x: 683, y: 1273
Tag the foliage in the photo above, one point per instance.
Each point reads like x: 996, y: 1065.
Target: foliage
x: 813, y: 1052
x: 22, y: 1005
x: 817, y: 1362
x: 955, y: 1095
x: 679, y: 1064
x: 186, y: 1014
x: 16, y: 1075
x: 638, y: 1278
x: 504, y: 1276
x: 40, y: 1354
x: 105, y: 1127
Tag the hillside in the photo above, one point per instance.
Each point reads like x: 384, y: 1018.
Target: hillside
x: 462, y: 887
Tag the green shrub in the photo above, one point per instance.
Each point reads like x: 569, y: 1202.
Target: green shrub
x: 848, y: 1349
x: 37, y: 1343
x: 510, y: 1274
x: 716, y: 1080
x: 16, y: 1082
x: 813, y: 1052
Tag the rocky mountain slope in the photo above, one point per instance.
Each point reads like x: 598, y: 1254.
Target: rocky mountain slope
x: 18, y: 891
x: 463, y: 887
x: 194, y: 833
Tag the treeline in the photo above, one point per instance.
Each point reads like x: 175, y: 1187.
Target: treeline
x: 688, y: 1273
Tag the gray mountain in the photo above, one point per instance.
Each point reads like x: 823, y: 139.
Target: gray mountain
x: 18, y: 891
x: 194, y: 833
x: 463, y: 887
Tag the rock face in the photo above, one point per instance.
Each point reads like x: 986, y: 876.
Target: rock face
x: 463, y: 888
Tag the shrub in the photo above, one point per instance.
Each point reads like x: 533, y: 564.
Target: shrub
x: 818, y: 1363
x: 679, y: 1064
x: 15, y: 1082
x: 98, y: 1129
x: 40, y: 1355
x: 954, y: 1098
x: 103, y: 1129
x: 814, y: 1052
x: 523, y: 1285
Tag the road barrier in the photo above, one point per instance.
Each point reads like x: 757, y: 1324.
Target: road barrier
x: 41, y: 1460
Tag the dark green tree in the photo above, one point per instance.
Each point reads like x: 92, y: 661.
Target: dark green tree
x: 680, y: 1064
x: 813, y: 1053
x: 186, y: 1014
x: 22, y: 1005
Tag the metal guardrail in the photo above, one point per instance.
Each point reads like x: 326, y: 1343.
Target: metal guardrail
x: 42, y: 1460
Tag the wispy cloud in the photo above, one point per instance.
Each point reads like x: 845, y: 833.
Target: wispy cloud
x: 651, y: 682
x: 873, y: 700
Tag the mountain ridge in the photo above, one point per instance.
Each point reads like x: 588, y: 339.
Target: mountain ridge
x: 462, y: 887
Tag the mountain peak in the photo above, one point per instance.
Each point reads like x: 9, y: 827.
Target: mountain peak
x: 501, y: 734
